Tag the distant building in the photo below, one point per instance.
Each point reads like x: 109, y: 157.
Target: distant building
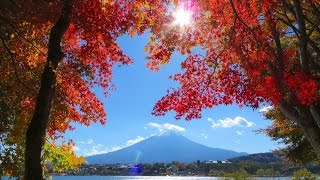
x: 216, y: 162
x: 92, y: 168
x: 122, y: 166
x: 226, y: 162
x: 211, y: 162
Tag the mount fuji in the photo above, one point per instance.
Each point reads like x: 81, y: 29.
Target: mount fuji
x: 166, y: 147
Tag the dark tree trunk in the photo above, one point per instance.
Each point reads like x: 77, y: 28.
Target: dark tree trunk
x: 36, y: 133
x: 315, y: 111
x: 308, y: 118
x: 310, y: 129
x: 306, y: 121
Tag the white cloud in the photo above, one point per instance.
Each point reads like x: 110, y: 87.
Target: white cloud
x: 89, y: 148
x: 90, y: 141
x: 240, y: 133
x: 174, y: 127
x: 115, y: 148
x: 134, y: 140
x: 228, y: 122
x: 75, y: 148
x: 155, y: 125
x: 204, y: 136
x: 99, y: 149
x: 265, y: 109
x: 166, y: 127
x: 95, y: 150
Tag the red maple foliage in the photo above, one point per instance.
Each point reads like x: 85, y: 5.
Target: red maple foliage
x: 58, y: 51
x: 244, y: 52
x: 89, y: 46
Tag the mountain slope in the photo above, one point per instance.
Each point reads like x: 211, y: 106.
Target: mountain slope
x: 269, y: 157
x: 165, y: 148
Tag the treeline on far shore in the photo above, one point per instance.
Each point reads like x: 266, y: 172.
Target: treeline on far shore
x: 236, y: 168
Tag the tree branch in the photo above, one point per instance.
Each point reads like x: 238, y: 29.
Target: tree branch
x: 234, y: 10
x: 19, y: 34
x: 14, y: 65
x: 303, y: 43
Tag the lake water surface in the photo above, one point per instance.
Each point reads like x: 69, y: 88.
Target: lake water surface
x: 124, y: 178
x: 145, y: 178
x: 128, y: 177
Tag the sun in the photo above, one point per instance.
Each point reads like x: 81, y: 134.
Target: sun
x: 182, y: 17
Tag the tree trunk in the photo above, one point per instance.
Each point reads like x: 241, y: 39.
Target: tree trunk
x: 36, y: 133
x: 311, y: 130
x: 306, y: 122
x: 308, y: 117
x: 315, y: 111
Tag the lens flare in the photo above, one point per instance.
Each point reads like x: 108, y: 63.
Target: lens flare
x: 182, y: 17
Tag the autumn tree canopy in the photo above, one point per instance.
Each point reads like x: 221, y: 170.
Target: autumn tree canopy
x: 244, y: 52
x: 52, y: 54
x: 297, y: 148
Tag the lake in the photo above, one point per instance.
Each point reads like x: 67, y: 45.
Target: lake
x: 128, y: 177
x: 144, y: 177
x: 124, y: 178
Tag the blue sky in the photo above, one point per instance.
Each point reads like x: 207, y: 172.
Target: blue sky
x: 129, y: 112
